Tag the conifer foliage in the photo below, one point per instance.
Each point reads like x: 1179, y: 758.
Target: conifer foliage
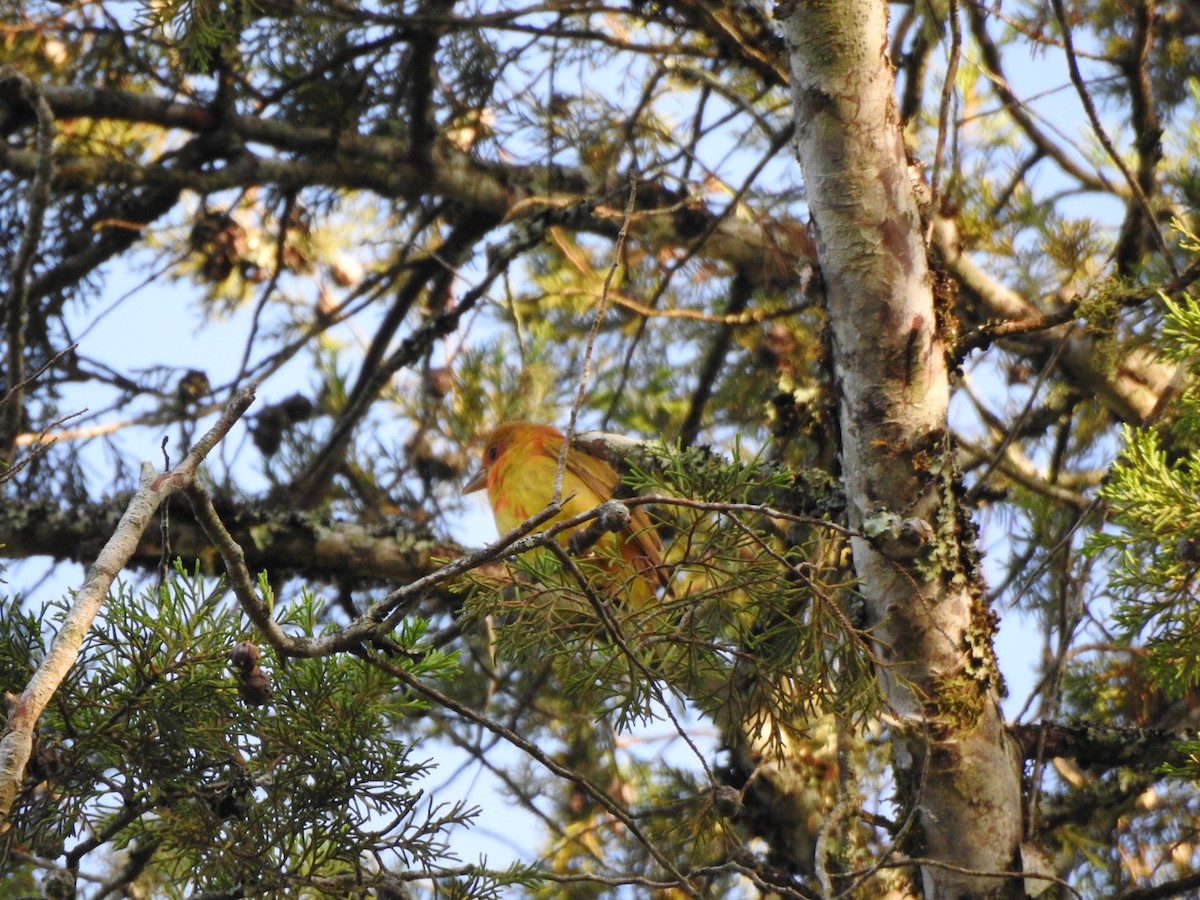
x: 884, y: 312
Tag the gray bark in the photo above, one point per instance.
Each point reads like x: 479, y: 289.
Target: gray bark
x: 925, y: 603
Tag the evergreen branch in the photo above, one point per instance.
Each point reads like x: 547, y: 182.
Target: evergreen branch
x: 533, y: 751
x: 154, y: 489
x: 1095, y: 744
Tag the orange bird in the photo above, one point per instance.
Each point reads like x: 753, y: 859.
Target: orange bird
x: 520, y: 462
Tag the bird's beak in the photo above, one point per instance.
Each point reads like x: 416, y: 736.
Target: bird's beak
x: 476, y: 482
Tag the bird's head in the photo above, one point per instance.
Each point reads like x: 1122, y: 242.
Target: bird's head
x: 529, y: 437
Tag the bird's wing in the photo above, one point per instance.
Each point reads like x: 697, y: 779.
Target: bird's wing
x: 601, y: 479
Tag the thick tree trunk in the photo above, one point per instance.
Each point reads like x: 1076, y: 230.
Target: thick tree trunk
x: 953, y: 760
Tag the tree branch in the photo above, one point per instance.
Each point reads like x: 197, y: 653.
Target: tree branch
x: 993, y: 69
x: 434, y: 273
x: 1131, y: 388
x: 318, y: 156
x: 1136, y: 186
x: 12, y: 410
x: 308, y: 545
x: 17, y: 740
x: 1092, y: 744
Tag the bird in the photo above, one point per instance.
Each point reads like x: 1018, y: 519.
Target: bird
x: 518, y: 468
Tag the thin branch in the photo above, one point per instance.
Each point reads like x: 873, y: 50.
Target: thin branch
x: 41, y: 441
x: 83, y: 432
x: 383, y: 616
x: 239, y: 575
x: 992, y: 68
x: 741, y: 289
x: 730, y: 319
x: 585, y: 374
x: 35, y: 376
x: 1085, y: 98
x: 989, y: 332
x: 1018, y: 176
x: 434, y: 272
x: 12, y: 411
x: 899, y: 837
x: 944, y: 106
x: 17, y: 741
x: 756, y: 508
x: 1147, y: 128
x: 279, y: 266
x: 1069, y: 619
x: 998, y: 454
x: 535, y: 752
x: 785, y: 247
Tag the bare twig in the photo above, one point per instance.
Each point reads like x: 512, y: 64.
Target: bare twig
x: 778, y: 243
x: 31, y: 379
x: 992, y: 68
x: 740, y: 291
x: 17, y: 740
x: 1089, y: 107
x: 935, y: 181
x: 1014, y: 430
x: 585, y: 376
x: 533, y: 751
x: 38, y: 443
x: 433, y: 274
x: 729, y: 319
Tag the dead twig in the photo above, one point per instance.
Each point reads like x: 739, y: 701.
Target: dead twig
x: 24, y: 710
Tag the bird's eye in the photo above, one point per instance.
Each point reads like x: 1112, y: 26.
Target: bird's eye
x: 492, y: 453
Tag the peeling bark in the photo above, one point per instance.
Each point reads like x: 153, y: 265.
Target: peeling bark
x: 925, y: 602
